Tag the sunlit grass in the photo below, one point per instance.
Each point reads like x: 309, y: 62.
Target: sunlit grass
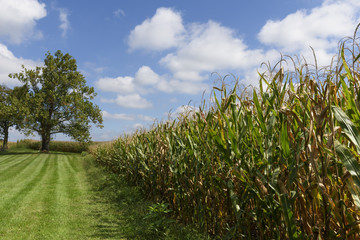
x: 43, y: 196
x: 65, y: 196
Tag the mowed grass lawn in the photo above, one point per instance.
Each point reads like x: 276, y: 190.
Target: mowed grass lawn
x: 65, y: 196
x: 44, y: 196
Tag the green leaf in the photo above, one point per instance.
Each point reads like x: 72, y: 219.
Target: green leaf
x: 284, y: 140
x: 349, y: 161
x: 261, y: 120
x: 347, y: 69
x: 355, y: 116
x: 289, y: 216
x: 348, y: 127
x: 58, y: 100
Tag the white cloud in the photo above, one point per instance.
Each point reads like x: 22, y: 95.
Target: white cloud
x: 18, y: 19
x: 187, y: 87
x: 11, y: 64
x: 202, y: 48
x: 163, y: 31
x: 121, y: 85
x: 199, y: 50
x: 207, y: 48
x: 146, y: 118
x: 64, y: 21
x: 130, y: 101
x: 120, y: 116
x: 119, y: 12
x: 138, y: 126
x: 146, y: 76
x: 321, y: 27
x: 128, y: 117
x: 184, y: 110
x: 145, y: 80
x: 211, y: 47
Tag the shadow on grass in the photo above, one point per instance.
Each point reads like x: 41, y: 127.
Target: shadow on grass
x: 16, y: 152
x: 21, y: 150
x: 123, y: 212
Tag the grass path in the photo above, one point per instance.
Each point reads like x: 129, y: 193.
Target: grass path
x: 64, y: 196
x: 42, y: 196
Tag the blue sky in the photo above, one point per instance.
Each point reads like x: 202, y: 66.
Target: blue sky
x: 148, y: 58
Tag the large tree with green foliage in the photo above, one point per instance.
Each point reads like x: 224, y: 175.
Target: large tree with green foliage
x: 58, y: 99
x: 12, y: 110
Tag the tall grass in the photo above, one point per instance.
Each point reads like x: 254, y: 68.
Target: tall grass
x: 279, y: 163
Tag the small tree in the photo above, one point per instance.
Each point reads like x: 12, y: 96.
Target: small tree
x: 12, y: 110
x: 4, y: 112
x: 58, y: 100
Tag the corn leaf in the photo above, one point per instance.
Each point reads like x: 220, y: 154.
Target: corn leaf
x: 348, y: 127
x: 289, y: 216
x: 349, y: 161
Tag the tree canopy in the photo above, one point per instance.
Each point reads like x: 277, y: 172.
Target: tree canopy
x: 58, y: 100
x: 12, y: 110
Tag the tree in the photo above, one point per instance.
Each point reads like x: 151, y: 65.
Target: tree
x: 12, y: 110
x: 58, y: 100
x: 4, y: 112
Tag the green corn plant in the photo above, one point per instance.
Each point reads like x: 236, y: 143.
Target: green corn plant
x: 348, y: 151
x: 277, y: 162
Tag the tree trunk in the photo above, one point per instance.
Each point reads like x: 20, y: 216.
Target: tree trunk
x: 6, y: 137
x: 45, y: 142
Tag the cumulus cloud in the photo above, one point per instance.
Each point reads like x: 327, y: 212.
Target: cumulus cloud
x: 163, y: 31
x: 147, y: 81
x: 119, y: 85
x: 138, y: 126
x: 198, y: 49
x: 126, y: 117
x: 144, y: 81
x: 130, y: 101
x: 120, y: 116
x: 204, y: 48
x: 184, y: 110
x: 211, y: 47
x: 12, y: 64
x: 18, y: 19
x: 64, y: 21
x: 146, y: 118
x: 130, y: 88
x: 321, y: 28
x: 146, y: 76
x: 187, y: 87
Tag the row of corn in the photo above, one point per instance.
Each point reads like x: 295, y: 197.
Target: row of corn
x: 280, y: 162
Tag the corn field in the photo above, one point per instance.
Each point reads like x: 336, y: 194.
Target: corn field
x: 278, y: 162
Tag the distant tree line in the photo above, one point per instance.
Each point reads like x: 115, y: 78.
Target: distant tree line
x: 53, y: 99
